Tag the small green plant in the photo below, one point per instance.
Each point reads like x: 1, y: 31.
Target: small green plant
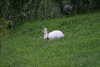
x: 3, y: 29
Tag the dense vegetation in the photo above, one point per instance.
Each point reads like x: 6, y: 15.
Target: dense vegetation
x: 80, y: 47
x: 17, y: 10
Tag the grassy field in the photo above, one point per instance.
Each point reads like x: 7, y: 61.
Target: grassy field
x: 80, y: 46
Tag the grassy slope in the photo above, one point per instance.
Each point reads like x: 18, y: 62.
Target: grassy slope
x: 80, y: 47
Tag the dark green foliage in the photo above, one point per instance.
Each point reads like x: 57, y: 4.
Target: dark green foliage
x: 3, y: 25
x: 18, y: 10
x: 85, y: 5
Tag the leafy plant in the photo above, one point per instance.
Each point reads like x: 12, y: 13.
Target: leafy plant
x: 3, y: 28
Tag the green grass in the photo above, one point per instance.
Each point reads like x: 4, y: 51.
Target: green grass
x: 80, y: 47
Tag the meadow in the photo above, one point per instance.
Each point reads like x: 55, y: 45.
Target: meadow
x: 80, y: 46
